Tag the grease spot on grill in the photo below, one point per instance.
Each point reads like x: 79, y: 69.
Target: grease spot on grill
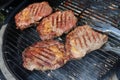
x: 72, y: 78
x: 106, y: 65
x: 49, y: 74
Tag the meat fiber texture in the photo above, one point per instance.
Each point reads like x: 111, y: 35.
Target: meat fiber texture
x: 44, y: 55
x: 83, y: 40
x: 31, y: 14
x: 56, y: 24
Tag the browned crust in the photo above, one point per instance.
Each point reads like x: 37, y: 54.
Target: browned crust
x: 87, y: 30
x: 56, y: 24
x: 43, y: 55
x: 31, y: 14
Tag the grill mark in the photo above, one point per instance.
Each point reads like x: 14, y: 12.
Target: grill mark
x: 84, y: 29
x: 41, y: 61
x: 40, y: 65
x: 98, y: 35
x: 46, y: 55
x: 33, y: 8
x: 65, y: 19
x: 39, y: 10
x: 59, y: 17
x: 85, y: 41
x: 80, y: 42
x: 53, y: 21
x: 38, y: 60
x: 70, y: 20
x: 61, y: 20
x: 49, y: 52
x: 36, y: 10
x: 93, y: 35
x: 75, y: 40
x: 42, y: 10
x: 87, y: 34
x: 81, y: 30
x: 79, y: 36
x: 67, y: 22
x: 77, y: 43
x: 50, y: 43
x: 47, y: 10
x: 73, y: 19
x: 57, y: 21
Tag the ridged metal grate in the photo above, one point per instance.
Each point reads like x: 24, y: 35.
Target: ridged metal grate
x: 94, y: 66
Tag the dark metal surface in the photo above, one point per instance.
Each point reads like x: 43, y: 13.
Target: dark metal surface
x: 94, y: 66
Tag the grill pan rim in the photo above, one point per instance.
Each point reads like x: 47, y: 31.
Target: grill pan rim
x: 5, y: 35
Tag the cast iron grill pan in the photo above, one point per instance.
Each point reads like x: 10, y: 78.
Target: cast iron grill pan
x: 94, y: 66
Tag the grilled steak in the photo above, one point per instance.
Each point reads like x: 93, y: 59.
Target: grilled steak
x: 31, y: 14
x: 82, y: 40
x: 56, y: 24
x: 44, y: 55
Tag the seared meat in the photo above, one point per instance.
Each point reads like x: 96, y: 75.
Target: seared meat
x: 56, y: 24
x: 31, y: 14
x: 83, y: 40
x: 44, y: 55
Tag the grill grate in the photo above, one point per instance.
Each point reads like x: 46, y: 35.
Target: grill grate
x: 93, y: 66
x: 105, y: 10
